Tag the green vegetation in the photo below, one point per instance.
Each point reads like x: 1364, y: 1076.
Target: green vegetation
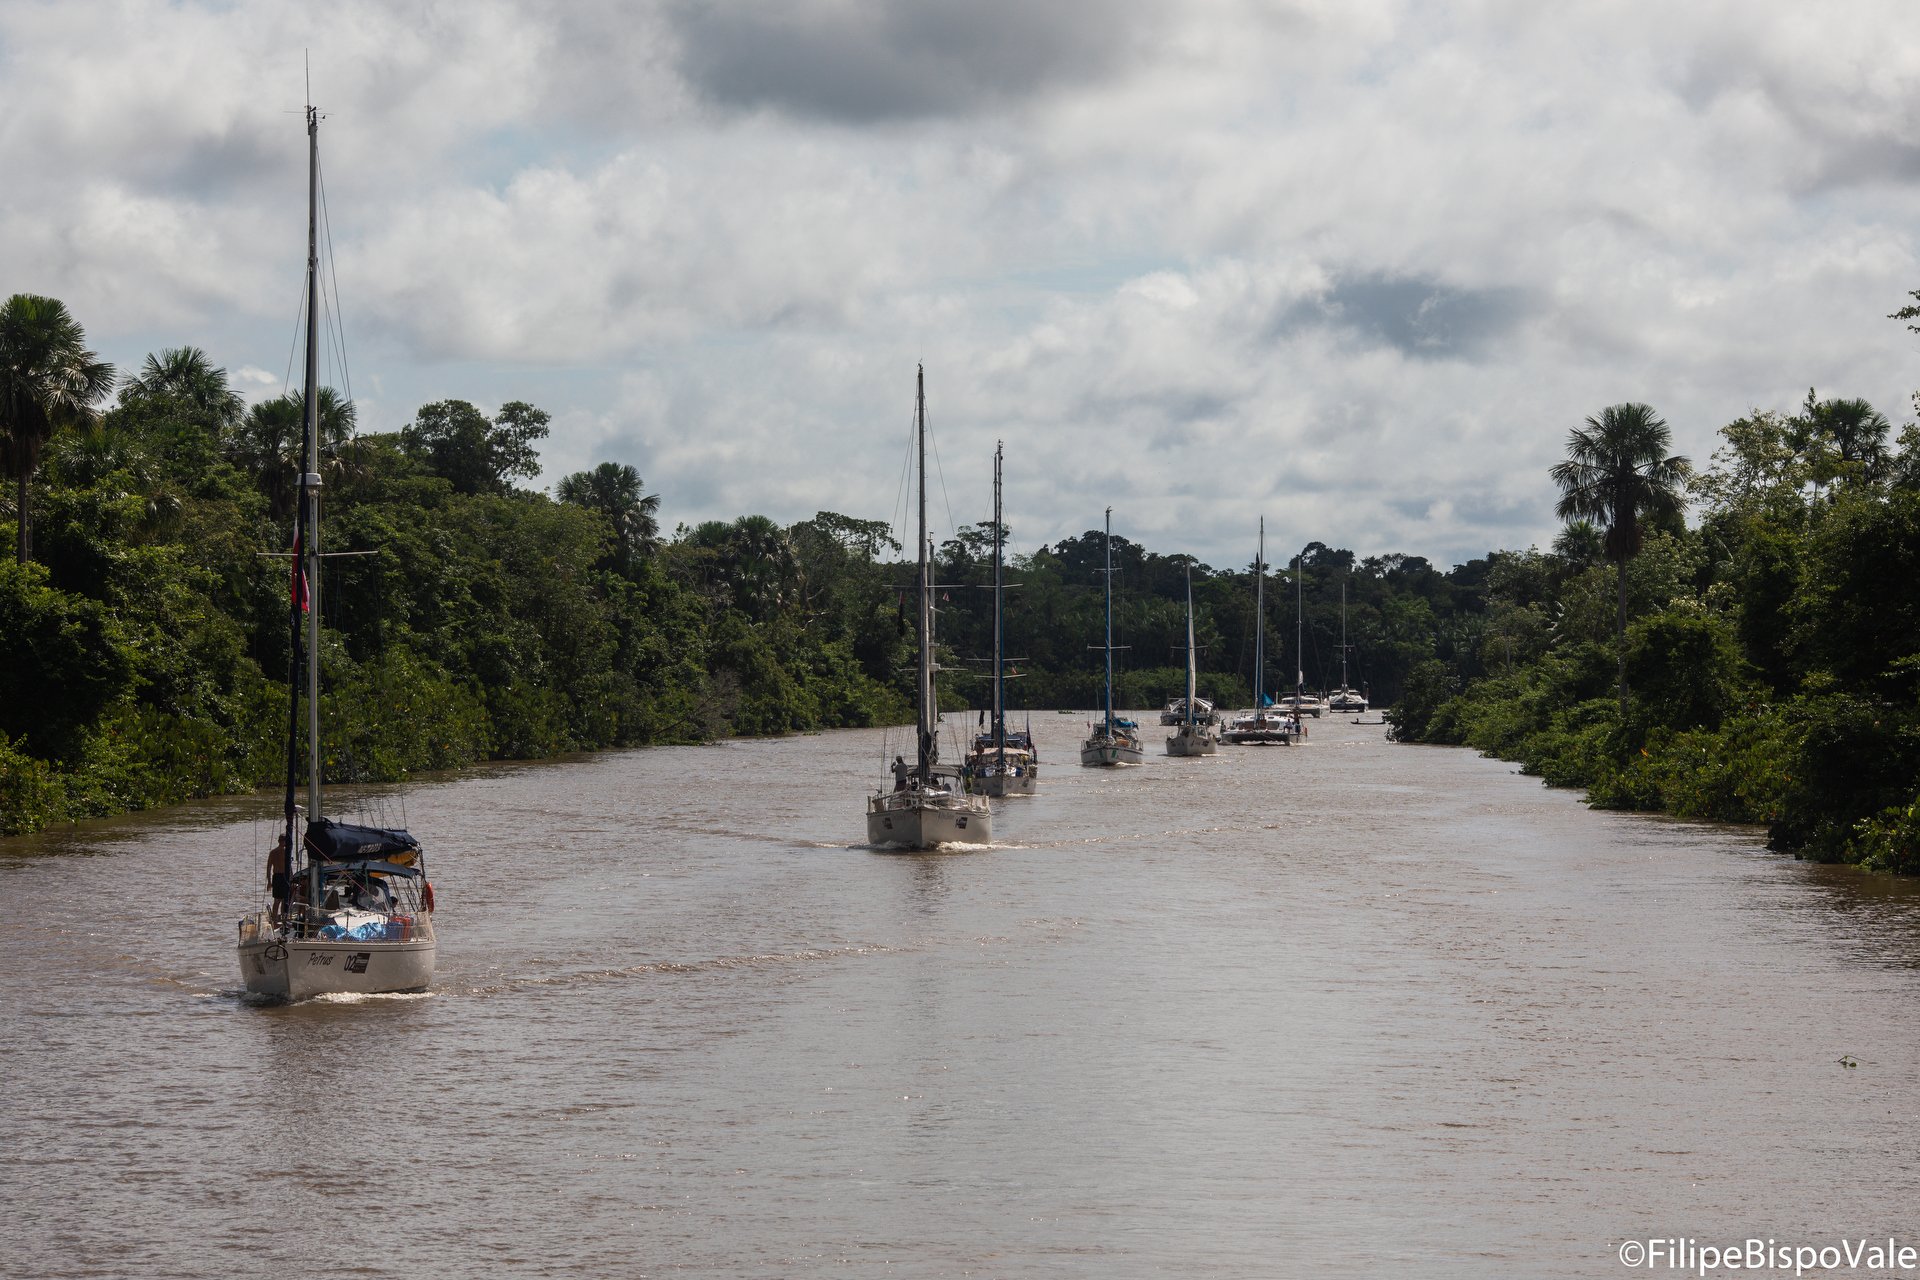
x: 1773, y: 651
x: 143, y: 639
x: 1760, y: 665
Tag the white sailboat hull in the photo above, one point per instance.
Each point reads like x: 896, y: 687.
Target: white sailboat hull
x: 1261, y: 731
x: 300, y: 968
x: 902, y: 820
x: 991, y: 772
x: 1194, y: 741
x: 1001, y: 785
x: 1100, y: 753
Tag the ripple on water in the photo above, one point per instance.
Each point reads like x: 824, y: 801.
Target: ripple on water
x: 1373, y: 1008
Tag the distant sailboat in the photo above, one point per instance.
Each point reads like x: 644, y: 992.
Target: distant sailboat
x: 351, y: 908
x: 1298, y: 702
x: 1115, y: 740
x: 1346, y: 697
x: 929, y: 805
x: 1004, y: 762
x: 1194, y: 737
x: 1262, y: 724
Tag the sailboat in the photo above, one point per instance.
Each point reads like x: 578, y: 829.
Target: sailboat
x: 929, y: 805
x: 1194, y: 737
x: 1298, y: 702
x: 1004, y: 762
x: 351, y: 909
x: 1263, y: 724
x: 1346, y: 697
x: 1114, y: 740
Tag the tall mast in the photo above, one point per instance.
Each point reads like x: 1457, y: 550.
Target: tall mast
x: 1343, y: 635
x: 1260, y: 619
x: 929, y: 712
x: 310, y: 478
x: 1191, y: 675
x: 1299, y: 632
x: 1109, y: 620
x: 999, y: 698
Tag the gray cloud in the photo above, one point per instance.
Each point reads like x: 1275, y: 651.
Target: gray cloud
x: 1421, y: 318
x: 876, y: 60
x: 1353, y: 267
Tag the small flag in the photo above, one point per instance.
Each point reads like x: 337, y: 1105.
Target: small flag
x: 298, y: 587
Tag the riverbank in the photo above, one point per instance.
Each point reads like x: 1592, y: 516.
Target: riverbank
x: 1825, y: 777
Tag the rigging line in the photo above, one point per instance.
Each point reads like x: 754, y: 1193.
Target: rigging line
x: 333, y: 270
x: 299, y: 320
x: 899, y: 520
x: 941, y: 471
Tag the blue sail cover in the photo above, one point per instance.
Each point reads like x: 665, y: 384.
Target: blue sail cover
x: 332, y: 841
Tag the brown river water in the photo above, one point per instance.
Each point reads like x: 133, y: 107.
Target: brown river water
x: 1349, y: 1008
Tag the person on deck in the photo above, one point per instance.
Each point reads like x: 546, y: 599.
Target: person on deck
x: 900, y: 772
x: 278, y: 882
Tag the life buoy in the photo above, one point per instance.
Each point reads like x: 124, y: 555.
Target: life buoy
x: 426, y: 895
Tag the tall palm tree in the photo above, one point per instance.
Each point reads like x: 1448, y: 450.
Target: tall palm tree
x: 188, y: 375
x: 616, y: 491
x: 755, y: 562
x: 1854, y: 429
x: 1581, y: 544
x: 48, y: 379
x: 269, y: 443
x: 1617, y: 473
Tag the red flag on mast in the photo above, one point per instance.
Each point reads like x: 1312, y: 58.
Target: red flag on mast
x: 298, y: 588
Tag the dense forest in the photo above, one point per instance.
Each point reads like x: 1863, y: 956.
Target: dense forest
x: 144, y: 647
x: 1760, y: 663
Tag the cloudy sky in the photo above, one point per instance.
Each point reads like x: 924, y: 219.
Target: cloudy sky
x: 1355, y: 265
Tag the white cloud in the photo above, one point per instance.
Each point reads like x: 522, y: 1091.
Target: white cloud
x: 1358, y: 266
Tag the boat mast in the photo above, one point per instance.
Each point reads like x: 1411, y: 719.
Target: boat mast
x: 929, y: 711
x: 1343, y: 635
x: 1299, y: 633
x: 1191, y: 674
x: 1260, y: 619
x: 999, y: 696
x: 310, y: 478
x: 1109, y: 621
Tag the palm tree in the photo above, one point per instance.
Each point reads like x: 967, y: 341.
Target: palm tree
x: 616, y: 491
x: 1852, y: 428
x: 1581, y: 545
x: 269, y: 444
x: 187, y: 375
x: 48, y: 379
x: 754, y: 559
x: 1618, y: 471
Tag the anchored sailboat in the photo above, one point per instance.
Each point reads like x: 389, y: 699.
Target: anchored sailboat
x: 1346, y: 697
x: 1115, y: 740
x: 351, y: 908
x: 1194, y: 737
x: 1264, y: 724
x: 1004, y: 762
x: 1298, y: 702
x: 929, y: 804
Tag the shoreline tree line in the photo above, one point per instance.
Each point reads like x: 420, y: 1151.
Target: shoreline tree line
x: 1768, y: 649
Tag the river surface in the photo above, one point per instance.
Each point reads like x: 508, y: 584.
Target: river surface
x: 1349, y: 1008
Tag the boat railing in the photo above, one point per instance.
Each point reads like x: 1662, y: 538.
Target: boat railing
x: 925, y: 798
x: 325, y: 926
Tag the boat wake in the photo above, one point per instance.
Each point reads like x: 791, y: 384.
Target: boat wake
x: 260, y: 1000
x: 513, y: 984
